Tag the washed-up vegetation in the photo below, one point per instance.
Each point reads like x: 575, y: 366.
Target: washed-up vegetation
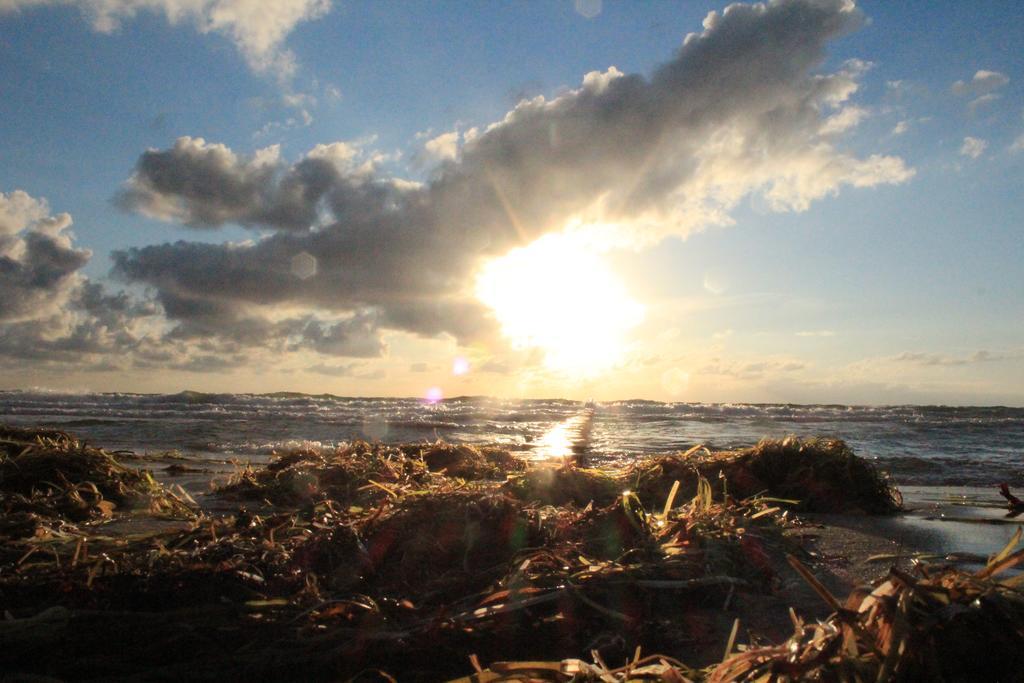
x: 50, y: 481
x: 928, y: 627
x: 367, y: 559
x: 941, y: 624
x: 823, y: 475
x: 363, y: 474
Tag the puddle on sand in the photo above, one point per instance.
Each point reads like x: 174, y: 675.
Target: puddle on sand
x: 959, y: 519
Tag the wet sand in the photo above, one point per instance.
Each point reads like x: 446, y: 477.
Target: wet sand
x: 944, y: 520
x: 958, y: 525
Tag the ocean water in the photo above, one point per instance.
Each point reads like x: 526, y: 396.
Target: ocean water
x: 917, y: 445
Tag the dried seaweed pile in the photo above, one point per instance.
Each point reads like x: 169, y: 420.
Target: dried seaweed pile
x: 468, y: 461
x: 941, y: 625
x: 821, y: 475
x: 363, y: 474
x: 824, y: 475
x: 412, y: 585
x: 403, y: 558
x: 570, y: 485
x: 934, y: 627
x: 50, y: 481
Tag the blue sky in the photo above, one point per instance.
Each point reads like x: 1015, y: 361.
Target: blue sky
x: 901, y: 283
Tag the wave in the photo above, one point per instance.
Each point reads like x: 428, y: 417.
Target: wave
x: 918, y: 444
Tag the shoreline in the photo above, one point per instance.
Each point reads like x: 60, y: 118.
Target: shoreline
x: 919, y: 444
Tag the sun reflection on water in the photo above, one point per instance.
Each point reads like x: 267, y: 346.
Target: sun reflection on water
x: 565, y: 441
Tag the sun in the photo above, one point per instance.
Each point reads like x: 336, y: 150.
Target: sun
x: 559, y: 295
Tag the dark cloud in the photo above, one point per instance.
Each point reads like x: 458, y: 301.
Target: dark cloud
x: 92, y: 330
x: 49, y: 312
x: 38, y: 263
x: 36, y: 278
x: 356, y: 337
x: 207, y: 185
x: 52, y: 315
x: 347, y: 370
x: 350, y: 370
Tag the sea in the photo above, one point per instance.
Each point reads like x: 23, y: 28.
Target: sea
x: 930, y: 446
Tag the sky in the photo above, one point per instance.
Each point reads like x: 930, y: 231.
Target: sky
x: 803, y: 201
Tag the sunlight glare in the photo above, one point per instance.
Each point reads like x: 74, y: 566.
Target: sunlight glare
x: 559, y: 295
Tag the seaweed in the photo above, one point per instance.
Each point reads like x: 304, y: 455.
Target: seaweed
x: 329, y: 590
x: 363, y: 474
x: 905, y: 628
x: 404, y: 559
x: 565, y: 485
x: 354, y: 474
x: 50, y: 480
x: 929, y: 626
x: 818, y: 474
x: 470, y: 462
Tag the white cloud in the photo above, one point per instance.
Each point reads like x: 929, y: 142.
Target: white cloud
x: 302, y: 119
x: 982, y: 101
x: 298, y: 100
x: 343, y: 155
x: 598, y: 81
x: 1018, y: 144
x: 588, y: 8
x: 713, y: 284
x: 443, y: 147
x: 901, y: 128
x: 749, y: 370
x: 973, y: 147
x: 935, y: 359
x: 257, y: 28
x: 18, y: 210
x: 843, y: 120
x: 982, y: 83
x: 816, y: 333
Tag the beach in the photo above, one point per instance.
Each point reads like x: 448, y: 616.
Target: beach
x: 561, y: 342
x: 336, y: 561
x: 947, y: 461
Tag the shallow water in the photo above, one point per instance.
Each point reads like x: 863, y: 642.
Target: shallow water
x: 918, y: 445
x: 958, y: 519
